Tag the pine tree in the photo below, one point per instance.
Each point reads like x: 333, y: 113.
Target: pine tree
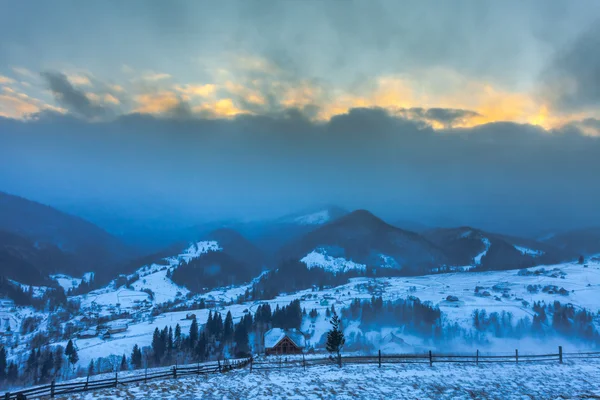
x: 241, y: 339
x: 202, y: 346
x: 73, y: 357
x: 170, y: 340
x: 2, y: 363
x: 123, y: 363
x: 177, y: 340
x: 157, y: 345
x: 69, y: 349
x: 335, y: 338
x: 228, y: 327
x: 193, y: 337
x: 136, y: 357
x: 12, y: 374
x: 58, y: 359
x: 91, y: 367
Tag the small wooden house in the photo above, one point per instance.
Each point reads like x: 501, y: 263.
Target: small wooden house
x: 284, y: 341
x: 88, y: 333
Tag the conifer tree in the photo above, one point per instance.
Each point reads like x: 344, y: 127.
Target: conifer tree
x: 123, y: 363
x: 335, y: 338
x: 91, y: 367
x: 12, y: 374
x: 136, y: 357
x: 228, y: 327
x: 193, y: 337
x: 177, y: 339
x: 58, y: 359
x: 2, y: 363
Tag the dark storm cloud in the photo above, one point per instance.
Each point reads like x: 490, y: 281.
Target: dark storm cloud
x: 572, y: 80
x: 501, y: 176
x: 72, y: 98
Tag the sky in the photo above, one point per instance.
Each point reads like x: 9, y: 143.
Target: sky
x: 474, y: 112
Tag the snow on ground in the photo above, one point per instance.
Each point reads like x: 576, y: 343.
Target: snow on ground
x: 317, y: 218
x: 163, y: 287
x: 67, y: 282
x: 529, y: 252
x: 405, y: 381
x: 478, y: 257
x: 196, y: 250
x: 507, y: 292
x: 38, y: 291
x: 320, y: 259
x: 153, y: 277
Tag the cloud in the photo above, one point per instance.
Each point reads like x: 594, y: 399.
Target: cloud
x: 24, y: 72
x: 572, y: 80
x: 79, y: 80
x: 72, y: 98
x: 443, y: 117
x: 191, y: 90
x: 154, y: 76
x: 160, y: 103
x: 268, y: 164
x: 5, y: 80
x: 14, y: 104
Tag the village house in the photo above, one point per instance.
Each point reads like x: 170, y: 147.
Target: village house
x: 88, y: 333
x: 284, y: 341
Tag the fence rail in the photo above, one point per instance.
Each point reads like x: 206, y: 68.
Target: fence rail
x: 424, y: 358
x: 55, y: 389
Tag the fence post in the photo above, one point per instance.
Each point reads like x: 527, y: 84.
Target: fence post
x: 340, y: 360
x: 87, y: 381
x: 430, y: 359
x: 303, y: 361
x: 174, y: 372
x: 198, y: 367
x: 219, y: 361
x: 250, y: 364
x: 560, y: 355
x: 379, y: 358
x: 146, y: 375
x: 517, y: 355
x: 52, y: 388
x: 7, y: 396
x: 477, y: 358
x: 116, y: 379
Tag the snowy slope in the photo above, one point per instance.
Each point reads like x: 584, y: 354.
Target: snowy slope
x: 529, y: 252
x: 317, y: 218
x: 67, y: 282
x: 319, y: 258
x: 478, y: 257
x: 152, y: 277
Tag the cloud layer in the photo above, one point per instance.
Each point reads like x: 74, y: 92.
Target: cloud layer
x: 501, y: 176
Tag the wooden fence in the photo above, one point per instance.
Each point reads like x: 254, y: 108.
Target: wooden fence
x: 425, y: 358
x: 56, y: 389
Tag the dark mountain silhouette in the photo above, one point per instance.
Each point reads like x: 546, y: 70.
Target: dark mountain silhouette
x: 86, y: 246
x: 25, y: 262
x: 489, y: 251
x: 585, y: 241
x: 363, y: 238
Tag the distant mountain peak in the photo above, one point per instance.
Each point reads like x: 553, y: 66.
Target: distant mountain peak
x: 315, y: 216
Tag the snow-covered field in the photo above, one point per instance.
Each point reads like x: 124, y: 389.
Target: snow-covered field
x: 583, y: 285
x: 498, y: 291
x: 579, y: 379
